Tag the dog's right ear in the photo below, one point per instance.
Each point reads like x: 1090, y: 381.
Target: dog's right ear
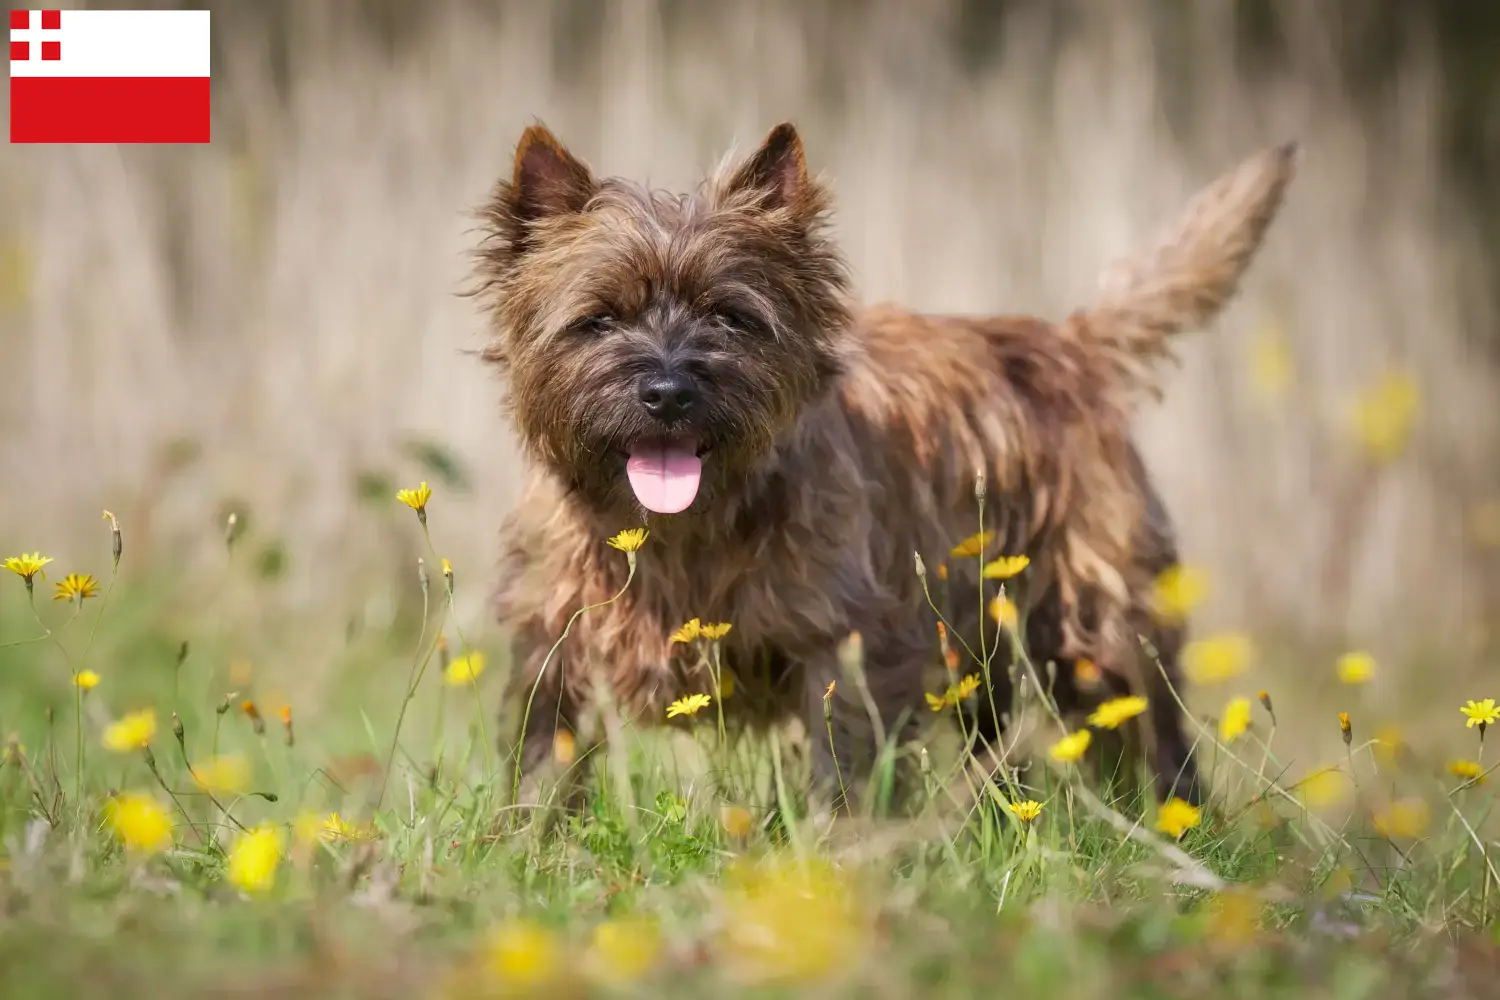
x: 547, y: 180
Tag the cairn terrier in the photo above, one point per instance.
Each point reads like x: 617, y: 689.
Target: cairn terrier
x: 695, y: 364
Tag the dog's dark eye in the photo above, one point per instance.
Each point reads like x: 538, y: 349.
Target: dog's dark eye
x: 735, y: 319
x: 600, y: 323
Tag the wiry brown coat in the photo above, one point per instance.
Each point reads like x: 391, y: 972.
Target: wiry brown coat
x: 845, y: 441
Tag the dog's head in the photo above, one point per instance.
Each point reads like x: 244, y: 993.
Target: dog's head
x: 657, y: 345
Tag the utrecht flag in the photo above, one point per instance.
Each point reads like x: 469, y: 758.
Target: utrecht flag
x: 109, y: 76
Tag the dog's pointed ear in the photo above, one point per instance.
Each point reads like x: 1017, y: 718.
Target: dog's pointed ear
x: 547, y: 179
x: 778, y: 169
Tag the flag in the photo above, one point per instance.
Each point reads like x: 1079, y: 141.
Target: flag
x: 109, y: 76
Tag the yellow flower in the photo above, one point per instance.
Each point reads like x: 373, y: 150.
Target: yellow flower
x: 254, y: 858
x: 1111, y: 713
x: 1071, y: 747
x: 464, y: 669
x: 829, y: 693
x: 1405, y: 818
x: 1179, y: 589
x: 689, y: 705
x: 1087, y: 673
x: 140, y: 822
x: 335, y: 827
x: 1345, y: 727
x: 1217, y: 658
x: 415, y: 499
x: 629, y: 540
x: 564, y: 747
x: 715, y: 630
x: 1481, y: 713
x: 1234, y: 720
x: 624, y: 950
x: 967, y: 687
x: 521, y: 954
x: 132, y: 732
x: 687, y: 632
x: 1355, y: 668
x: 86, y: 680
x: 1004, y: 611
x: 1468, y: 770
x: 973, y: 546
x: 1024, y: 811
x: 1176, y: 817
x: 1382, y: 416
x: 1233, y: 918
x: 1323, y: 788
x: 1005, y: 567
x: 935, y: 702
x: 736, y: 821
x: 27, y: 566
x: 1389, y: 745
x: 76, y: 586
x: 228, y: 775
x: 789, y: 923
x: 956, y: 693
x: 1271, y: 371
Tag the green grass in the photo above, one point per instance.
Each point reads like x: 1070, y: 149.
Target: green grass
x: 447, y: 885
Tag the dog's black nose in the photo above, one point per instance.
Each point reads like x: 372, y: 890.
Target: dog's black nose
x: 668, y: 398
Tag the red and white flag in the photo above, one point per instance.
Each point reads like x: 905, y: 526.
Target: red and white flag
x: 109, y: 76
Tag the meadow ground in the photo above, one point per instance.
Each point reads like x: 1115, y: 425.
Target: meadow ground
x: 173, y: 827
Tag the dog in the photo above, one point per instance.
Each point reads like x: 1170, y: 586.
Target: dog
x: 696, y: 364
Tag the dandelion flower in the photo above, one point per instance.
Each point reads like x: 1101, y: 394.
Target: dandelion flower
x: 464, y: 669
x: 1112, y: 713
x: 1345, y: 727
x: 790, y: 923
x: 936, y: 702
x: 27, y: 567
x: 736, y: 821
x: 1071, y: 747
x: 1178, y: 590
x: 86, y: 680
x: 564, y: 747
x: 1024, y: 811
x: 335, y: 827
x: 1355, y: 668
x: 76, y: 587
x: 1382, y: 416
x: 1005, y: 567
x: 688, y: 631
x: 1265, y: 702
x: 629, y: 540
x: 141, y: 823
x: 1234, y: 720
x: 1468, y: 770
x: 1323, y: 788
x: 1087, y: 673
x: 1217, y: 658
x: 829, y: 693
x: 416, y: 499
x: 967, y: 687
x: 714, y: 630
x: 132, y: 732
x: 521, y: 954
x: 1405, y: 818
x: 254, y: 858
x: 956, y: 693
x: 227, y: 775
x: 690, y: 705
x: 623, y: 950
x: 1004, y: 611
x: 1481, y: 713
x: 1176, y: 817
x: 973, y: 546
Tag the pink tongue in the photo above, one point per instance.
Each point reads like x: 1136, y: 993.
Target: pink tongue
x: 665, y: 479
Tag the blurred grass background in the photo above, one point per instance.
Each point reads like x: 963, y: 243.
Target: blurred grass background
x: 270, y: 324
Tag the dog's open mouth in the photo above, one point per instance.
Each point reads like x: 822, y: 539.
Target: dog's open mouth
x: 665, y: 473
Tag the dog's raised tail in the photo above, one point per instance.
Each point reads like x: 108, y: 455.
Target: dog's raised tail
x: 1183, y: 279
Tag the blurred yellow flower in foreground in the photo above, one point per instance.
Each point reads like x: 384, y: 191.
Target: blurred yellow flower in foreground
x: 1234, y: 917
x: 736, y: 821
x: 1024, y: 811
x: 1234, y: 720
x: 689, y: 705
x: 1178, y: 590
x: 1404, y: 818
x: 1004, y: 611
x: 788, y: 923
x: 1005, y: 567
x: 1176, y: 817
x: 227, y: 775
x: 564, y: 747
x: 1217, y: 658
x: 131, y: 732
x: 1468, y: 770
x: 141, y: 823
x: 629, y: 540
x: 1382, y: 416
x: 310, y: 828
x: 1355, y: 668
x: 1071, y: 747
x: 623, y: 950
x: 464, y: 669
x: 522, y: 954
x: 76, y: 586
x: 1323, y: 788
x: 254, y: 858
x: 86, y: 680
x: 973, y: 546
x: 1112, y: 713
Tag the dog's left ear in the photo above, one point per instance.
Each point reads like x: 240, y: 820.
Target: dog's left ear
x: 778, y: 169
x: 546, y: 178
